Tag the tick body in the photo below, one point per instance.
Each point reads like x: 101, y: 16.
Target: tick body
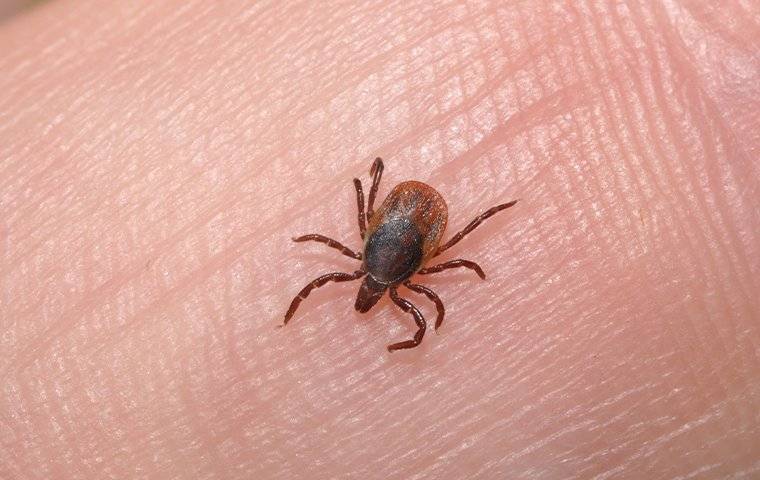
x: 401, y: 236
x: 399, y: 240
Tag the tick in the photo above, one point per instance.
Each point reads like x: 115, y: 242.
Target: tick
x: 399, y: 240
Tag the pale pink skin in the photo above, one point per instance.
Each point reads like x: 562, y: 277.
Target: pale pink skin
x: 156, y: 159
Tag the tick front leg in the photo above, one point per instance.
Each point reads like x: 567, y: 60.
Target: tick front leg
x: 377, y: 172
x: 315, y: 237
x: 330, y: 277
x: 360, y: 205
x: 431, y: 295
x: 407, y: 306
x: 454, y: 264
x: 456, y: 238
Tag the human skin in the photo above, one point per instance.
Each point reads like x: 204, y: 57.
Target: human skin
x: 157, y: 157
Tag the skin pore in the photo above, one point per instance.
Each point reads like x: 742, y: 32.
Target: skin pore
x: 157, y: 157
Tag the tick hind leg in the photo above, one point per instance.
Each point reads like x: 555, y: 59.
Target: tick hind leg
x: 454, y: 264
x: 407, y: 306
x: 330, y: 243
x: 431, y: 295
x: 472, y: 225
x: 330, y: 277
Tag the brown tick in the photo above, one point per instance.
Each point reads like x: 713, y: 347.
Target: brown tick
x: 399, y: 240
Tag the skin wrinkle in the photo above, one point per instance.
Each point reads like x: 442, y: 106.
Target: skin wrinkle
x: 102, y: 292
x: 602, y: 39
x: 200, y: 429
x: 708, y: 142
x: 561, y: 94
x: 715, y: 20
x: 597, y: 231
x: 441, y: 118
x: 518, y: 99
x: 609, y: 158
x: 715, y: 268
x: 592, y: 17
x: 607, y: 104
x: 350, y: 76
x: 268, y: 406
x: 724, y: 207
x: 661, y: 155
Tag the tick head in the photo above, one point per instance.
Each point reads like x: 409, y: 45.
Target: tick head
x: 369, y: 293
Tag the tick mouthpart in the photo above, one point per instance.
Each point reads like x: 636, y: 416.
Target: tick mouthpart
x: 369, y: 293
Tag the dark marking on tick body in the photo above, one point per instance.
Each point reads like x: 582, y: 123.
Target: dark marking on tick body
x: 399, y: 239
x: 393, y: 250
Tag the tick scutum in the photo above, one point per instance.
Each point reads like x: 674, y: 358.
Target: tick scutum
x: 393, y: 251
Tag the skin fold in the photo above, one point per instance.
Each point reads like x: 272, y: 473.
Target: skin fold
x: 157, y: 157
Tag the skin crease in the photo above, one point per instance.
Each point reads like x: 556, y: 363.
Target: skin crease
x: 157, y: 157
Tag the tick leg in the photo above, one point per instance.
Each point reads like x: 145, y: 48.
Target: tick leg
x: 360, y: 205
x: 330, y: 243
x: 430, y: 295
x: 472, y: 226
x: 377, y: 172
x: 454, y: 264
x: 329, y: 277
x: 407, y: 306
